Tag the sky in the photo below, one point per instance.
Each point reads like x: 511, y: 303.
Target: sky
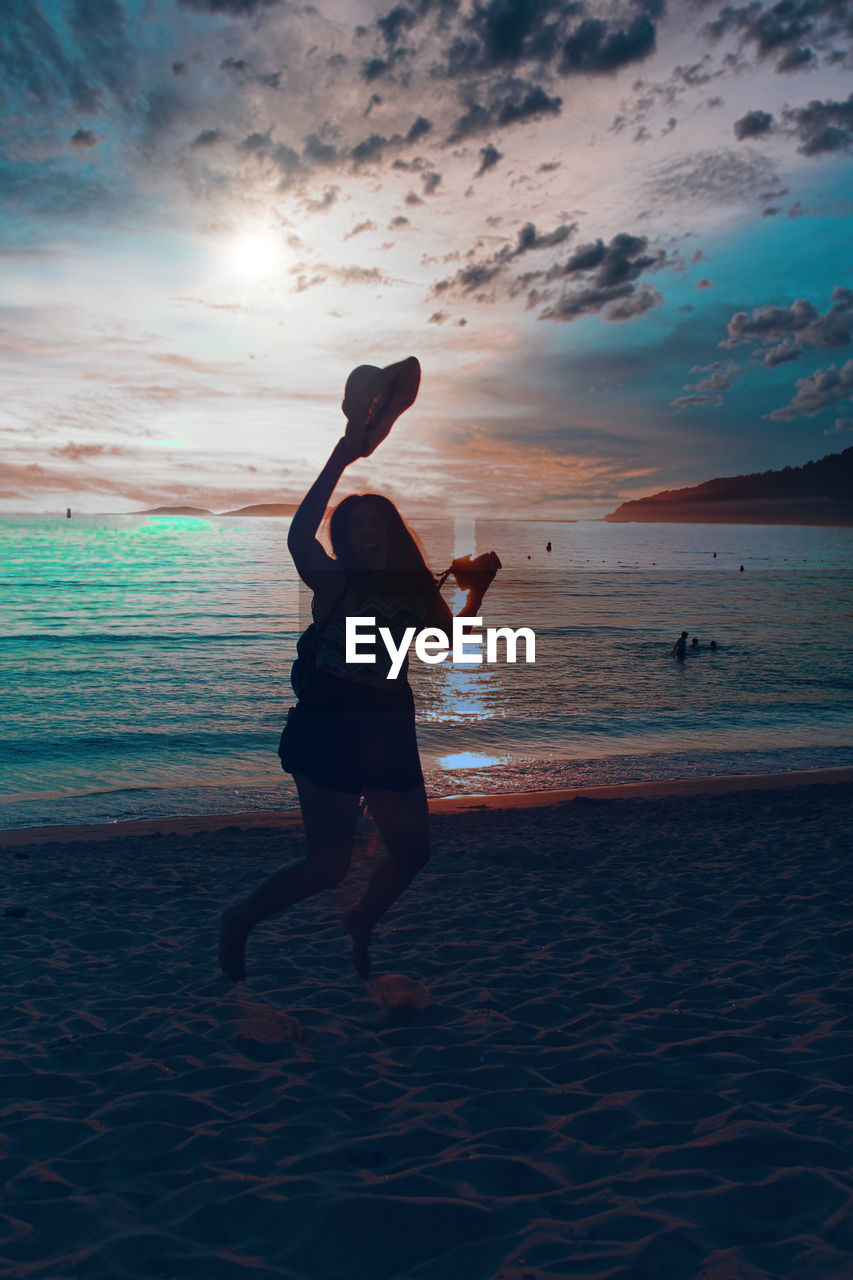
x: 616, y: 233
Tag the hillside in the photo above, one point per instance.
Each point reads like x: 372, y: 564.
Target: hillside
x: 265, y: 509
x: 816, y: 493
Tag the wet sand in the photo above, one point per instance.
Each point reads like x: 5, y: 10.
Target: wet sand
x: 606, y: 1036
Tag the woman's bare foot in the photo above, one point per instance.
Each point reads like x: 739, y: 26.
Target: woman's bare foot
x: 360, y: 934
x: 232, y: 944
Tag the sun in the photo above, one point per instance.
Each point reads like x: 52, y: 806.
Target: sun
x: 253, y: 254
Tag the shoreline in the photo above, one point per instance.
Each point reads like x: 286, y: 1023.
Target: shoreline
x: 289, y: 819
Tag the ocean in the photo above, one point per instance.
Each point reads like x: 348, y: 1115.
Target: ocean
x: 145, y: 660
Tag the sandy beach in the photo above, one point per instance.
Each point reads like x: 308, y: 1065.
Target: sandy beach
x: 607, y: 1036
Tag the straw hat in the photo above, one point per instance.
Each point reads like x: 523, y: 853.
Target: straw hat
x: 374, y: 399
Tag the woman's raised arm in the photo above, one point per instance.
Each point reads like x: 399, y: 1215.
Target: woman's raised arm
x: 308, y: 555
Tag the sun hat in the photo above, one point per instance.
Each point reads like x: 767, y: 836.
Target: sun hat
x: 374, y: 398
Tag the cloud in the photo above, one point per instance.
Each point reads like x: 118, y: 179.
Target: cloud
x: 801, y: 322
x: 231, y: 8
x: 478, y: 274
x: 323, y: 202
x: 349, y: 275
x: 718, y: 381
x: 704, y: 284
x: 207, y: 138
x: 86, y: 452
x: 83, y: 139
x: 712, y: 178
x: 359, y: 227
x: 633, y: 304
x: 816, y: 392
x: 753, y: 125
x: 788, y: 349
x: 822, y: 127
x: 685, y: 402
x: 519, y: 104
x: 840, y: 425
x: 608, y: 273
x: 785, y: 31
x: 595, y: 46
x: 489, y: 157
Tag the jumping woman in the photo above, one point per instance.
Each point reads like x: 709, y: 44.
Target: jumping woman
x: 352, y: 731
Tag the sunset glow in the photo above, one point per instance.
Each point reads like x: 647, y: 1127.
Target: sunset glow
x: 614, y: 235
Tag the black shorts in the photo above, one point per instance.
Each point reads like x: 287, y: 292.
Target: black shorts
x: 349, y: 736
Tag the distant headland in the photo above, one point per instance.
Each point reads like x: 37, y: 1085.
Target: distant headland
x: 260, y: 509
x: 819, y: 493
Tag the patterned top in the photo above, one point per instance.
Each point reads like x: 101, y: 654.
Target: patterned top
x: 390, y: 609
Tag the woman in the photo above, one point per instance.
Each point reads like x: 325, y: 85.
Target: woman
x: 352, y: 732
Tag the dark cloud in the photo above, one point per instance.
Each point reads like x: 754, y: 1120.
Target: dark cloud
x: 595, y: 46
x: 787, y: 350
x: 231, y: 8
x: 468, y: 279
x: 801, y: 321
x: 784, y: 31
x: 256, y: 144
x: 399, y: 221
x: 489, y: 157
x: 818, y: 391
x: 396, y: 22
x: 287, y: 161
x: 419, y: 129
x: 610, y: 272
x: 319, y: 153
x: 518, y: 105
x: 822, y: 126
x: 704, y: 284
x: 794, y: 59
x: 753, y: 125
x: 207, y: 138
x: 633, y: 304
x: 438, y: 317
x: 623, y: 259
x: 500, y: 35
x: 431, y: 181
x: 529, y: 238
x: 478, y: 274
x: 83, y: 139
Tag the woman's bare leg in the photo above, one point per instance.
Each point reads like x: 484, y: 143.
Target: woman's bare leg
x: 329, y: 818
x: 403, y: 820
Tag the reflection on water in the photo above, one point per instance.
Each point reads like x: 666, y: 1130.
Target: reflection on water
x: 467, y: 760
x: 150, y: 657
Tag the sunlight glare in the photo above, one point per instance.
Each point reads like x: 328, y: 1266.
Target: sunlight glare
x: 254, y: 254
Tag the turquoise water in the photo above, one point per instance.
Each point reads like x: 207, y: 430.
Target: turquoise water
x: 145, y: 660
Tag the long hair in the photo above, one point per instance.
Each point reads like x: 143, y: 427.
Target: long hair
x: 406, y: 564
